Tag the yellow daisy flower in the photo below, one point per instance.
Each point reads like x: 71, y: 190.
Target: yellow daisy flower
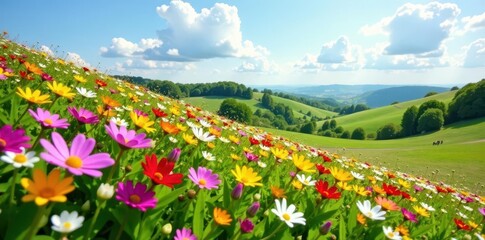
x: 189, y: 139
x: 302, y: 164
x: 235, y: 157
x: 33, y: 97
x: 142, y: 122
x: 80, y: 79
x: 404, y: 184
x: 340, y: 174
x: 61, y: 90
x: 247, y: 176
x: 280, y: 153
x: 421, y: 211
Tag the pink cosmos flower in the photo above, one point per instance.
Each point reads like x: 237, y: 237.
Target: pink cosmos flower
x: 12, y: 140
x: 184, y: 234
x: 204, y: 178
x: 136, y: 196
x: 77, y: 159
x: 127, y: 138
x: 251, y: 156
x: 48, y: 120
x: 409, y: 215
x: 83, y: 115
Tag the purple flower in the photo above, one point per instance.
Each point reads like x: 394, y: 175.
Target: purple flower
x: 127, y: 138
x: 83, y: 115
x: 237, y: 191
x: 184, y: 234
x: 204, y: 178
x: 325, y: 228
x: 418, y: 188
x: 77, y: 159
x: 136, y: 197
x: 253, y: 209
x: 409, y: 215
x: 482, y: 211
x: 140, y: 113
x: 174, y: 155
x: 251, y: 157
x: 48, y: 120
x: 242, y: 133
x: 12, y: 140
x: 46, y: 77
x: 247, y: 226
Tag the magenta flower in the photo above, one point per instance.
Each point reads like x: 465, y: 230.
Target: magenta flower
x: 482, y: 211
x: 409, y: 215
x: 83, y: 116
x: 47, y: 119
x: 12, y: 140
x: 204, y: 178
x: 184, y: 234
x: 77, y: 159
x: 137, y: 196
x: 247, y: 225
x: 127, y: 138
x: 251, y: 157
x: 140, y: 113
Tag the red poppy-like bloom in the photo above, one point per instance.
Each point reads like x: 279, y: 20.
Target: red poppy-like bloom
x: 322, y: 169
x: 326, y: 192
x: 86, y: 69
x: 266, y: 143
x: 160, y: 172
x: 326, y: 158
x: 461, y: 225
x: 441, y: 190
x: 190, y: 114
x: 158, y: 112
x: 391, y: 190
x: 101, y: 83
x: 253, y: 141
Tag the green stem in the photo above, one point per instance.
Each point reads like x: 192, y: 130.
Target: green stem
x: 274, y: 232
x: 122, y: 226
x: 21, y: 116
x: 12, y: 189
x: 95, y: 217
x: 115, y: 166
x: 35, y: 223
x: 42, y: 129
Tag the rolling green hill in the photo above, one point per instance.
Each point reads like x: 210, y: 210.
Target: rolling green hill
x: 463, y: 151
x: 212, y: 103
x: 373, y: 119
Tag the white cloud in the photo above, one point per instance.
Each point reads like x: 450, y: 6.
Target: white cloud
x: 152, y: 65
x: 339, y: 51
x: 121, y: 47
x: 45, y: 49
x: 210, y: 33
x: 417, y: 28
x: 260, y: 64
x: 473, y: 23
x: 76, y: 59
x: 475, y: 54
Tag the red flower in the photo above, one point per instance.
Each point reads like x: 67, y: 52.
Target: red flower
x: 441, y: 190
x: 101, y: 83
x: 322, y: 169
x: 391, y: 190
x: 160, y: 172
x: 405, y: 195
x: 326, y: 158
x: 25, y: 75
x: 158, y: 112
x: 86, y: 69
x: 461, y: 225
x: 253, y: 141
x: 190, y: 114
x: 266, y: 143
x: 325, y: 191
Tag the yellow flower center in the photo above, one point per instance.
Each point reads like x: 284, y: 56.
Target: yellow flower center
x: 20, y: 158
x: 47, y: 192
x: 158, y: 175
x: 135, y: 198
x: 202, y: 182
x: 244, y: 180
x: 185, y: 238
x: 286, y: 216
x: 67, y: 225
x: 369, y: 214
x: 391, y: 235
x: 3, y: 143
x: 306, y: 182
x: 74, y: 162
x: 48, y: 121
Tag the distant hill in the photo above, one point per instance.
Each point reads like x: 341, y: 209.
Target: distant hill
x: 386, y: 96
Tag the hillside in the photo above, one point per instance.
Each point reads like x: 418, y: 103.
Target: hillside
x: 386, y: 96
x: 372, y: 119
x: 212, y: 103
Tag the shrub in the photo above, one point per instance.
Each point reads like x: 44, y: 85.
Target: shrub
x: 345, y: 134
x: 358, y: 133
x: 388, y: 131
x: 432, y: 119
x: 409, y: 121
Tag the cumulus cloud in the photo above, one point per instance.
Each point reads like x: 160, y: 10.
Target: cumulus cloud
x: 417, y: 28
x: 473, y: 23
x: 259, y: 64
x: 76, y: 59
x: 131, y: 64
x: 121, y: 47
x: 475, y: 54
x: 45, y: 49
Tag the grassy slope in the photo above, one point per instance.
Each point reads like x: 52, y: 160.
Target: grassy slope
x: 463, y: 151
x: 212, y: 103
x: 373, y: 119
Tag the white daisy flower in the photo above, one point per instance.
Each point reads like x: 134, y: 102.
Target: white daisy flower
x: 203, y: 136
x: 119, y: 121
x: 307, y: 181
x: 22, y: 159
x: 288, y: 214
x: 427, y: 207
x: 391, y: 234
x: 468, y: 208
x: 224, y: 140
x: 66, y: 222
x: 264, y: 147
x: 357, y: 175
x: 172, y: 139
x: 204, y: 123
x: 162, y: 107
x: 86, y: 93
x: 374, y: 213
x: 262, y: 164
x: 208, y: 156
x: 191, y: 124
x: 105, y: 191
x: 462, y: 215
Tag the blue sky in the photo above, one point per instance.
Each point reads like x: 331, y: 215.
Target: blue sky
x: 261, y: 42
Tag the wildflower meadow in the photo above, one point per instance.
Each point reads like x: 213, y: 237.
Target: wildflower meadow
x: 88, y: 156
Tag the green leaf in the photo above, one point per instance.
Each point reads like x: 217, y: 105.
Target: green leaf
x: 352, y: 218
x: 342, y: 229
x: 43, y: 237
x: 198, y: 220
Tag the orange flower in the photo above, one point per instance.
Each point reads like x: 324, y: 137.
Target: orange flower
x: 169, y: 128
x: 44, y: 189
x: 110, y: 102
x: 361, y: 218
x: 387, y: 204
x: 277, y: 192
x: 106, y: 113
x: 221, y: 217
x: 33, y: 68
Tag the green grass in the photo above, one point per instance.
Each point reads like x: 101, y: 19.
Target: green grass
x: 373, y: 119
x: 463, y: 151
x: 212, y: 103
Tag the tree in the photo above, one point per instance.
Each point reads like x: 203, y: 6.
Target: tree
x: 469, y: 102
x: 454, y: 88
x: 234, y: 110
x: 339, y: 129
x: 307, y: 128
x: 432, y: 119
x: 326, y: 125
x: 409, y: 121
x: 267, y: 101
x: 329, y: 133
x: 345, y: 134
x: 166, y: 88
x: 358, y: 133
x: 333, y: 124
x: 430, y: 94
x: 388, y: 131
x: 431, y: 104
